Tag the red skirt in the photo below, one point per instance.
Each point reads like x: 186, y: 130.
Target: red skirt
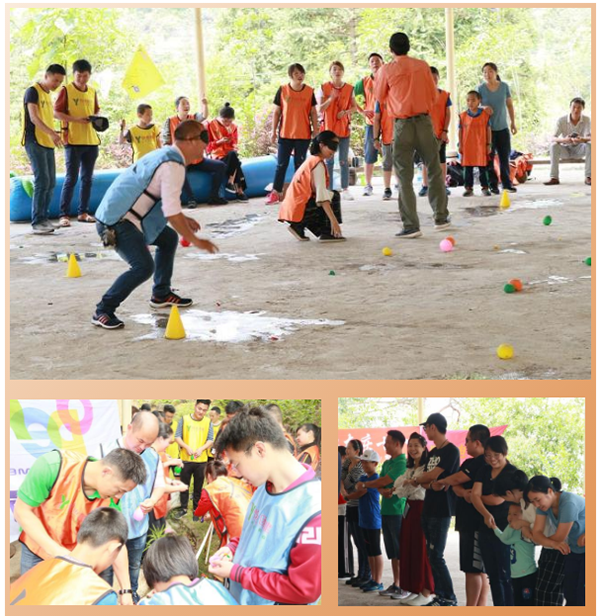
x: 415, y: 570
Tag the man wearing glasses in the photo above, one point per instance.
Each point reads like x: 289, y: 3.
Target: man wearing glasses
x: 136, y: 212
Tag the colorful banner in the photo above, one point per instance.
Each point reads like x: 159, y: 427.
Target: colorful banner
x: 374, y: 438
x: 39, y: 426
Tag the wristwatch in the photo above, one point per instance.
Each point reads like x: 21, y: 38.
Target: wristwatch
x: 125, y: 591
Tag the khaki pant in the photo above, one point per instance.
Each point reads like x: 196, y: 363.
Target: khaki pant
x: 576, y: 150
x: 412, y: 134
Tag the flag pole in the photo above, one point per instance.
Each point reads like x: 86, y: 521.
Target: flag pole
x: 200, y: 55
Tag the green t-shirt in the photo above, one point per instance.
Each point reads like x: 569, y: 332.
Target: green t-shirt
x: 522, y: 556
x: 41, y: 478
x: 393, y: 468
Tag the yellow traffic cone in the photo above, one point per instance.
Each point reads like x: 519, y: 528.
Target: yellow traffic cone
x: 174, y: 329
x: 73, y: 270
x: 505, y: 200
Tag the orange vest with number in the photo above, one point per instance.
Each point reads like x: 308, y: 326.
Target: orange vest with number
x: 340, y: 126
x: 59, y: 581
x: 81, y: 105
x: 300, y: 191
x: 369, y: 90
x: 313, y: 452
x: 62, y: 513
x: 230, y: 498
x: 295, y: 112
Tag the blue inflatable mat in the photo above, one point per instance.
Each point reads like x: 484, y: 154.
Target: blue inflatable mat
x: 259, y: 172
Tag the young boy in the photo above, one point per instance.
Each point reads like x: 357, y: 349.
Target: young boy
x: 277, y: 559
x: 144, y: 136
x: 523, y: 570
x: 73, y: 579
x: 475, y: 142
x: 369, y: 519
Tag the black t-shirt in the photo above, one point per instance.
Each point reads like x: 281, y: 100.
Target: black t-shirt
x: 31, y: 96
x: 467, y: 517
x: 484, y: 476
x: 277, y: 99
x: 441, y: 504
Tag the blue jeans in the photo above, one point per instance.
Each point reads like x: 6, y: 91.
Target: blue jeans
x: 371, y: 153
x: 78, y: 157
x: 342, y: 150
x: 436, y: 534
x: 131, y: 247
x: 496, y: 560
x: 285, y: 147
x: 135, y: 551
x: 28, y: 559
x: 44, y: 180
x: 216, y: 168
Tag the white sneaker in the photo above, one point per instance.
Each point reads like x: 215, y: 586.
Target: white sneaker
x: 347, y: 195
x: 419, y: 600
x: 403, y: 595
x: 368, y: 191
x: 42, y: 228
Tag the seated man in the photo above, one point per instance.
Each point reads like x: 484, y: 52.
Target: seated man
x: 572, y: 139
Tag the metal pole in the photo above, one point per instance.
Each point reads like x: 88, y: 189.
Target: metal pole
x: 453, y: 128
x: 200, y: 55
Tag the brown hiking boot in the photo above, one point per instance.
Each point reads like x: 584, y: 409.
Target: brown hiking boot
x: 552, y: 182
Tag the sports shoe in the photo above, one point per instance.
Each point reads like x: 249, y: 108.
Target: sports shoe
x: 372, y: 586
x: 272, y: 198
x: 107, y: 321
x: 42, y: 229
x: 325, y: 237
x: 368, y: 191
x: 419, y: 600
x: 390, y: 590
x: 423, y: 191
x: 442, y: 226
x: 405, y: 597
x: 343, y: 576
x: 217, y: 201
x: 170, y: 300
x: 190, y: 205
x: 230, y: 188
x: 353, y: 579
x: 365, y: 583
x: 387, y: 194
x: 179, y: 514
x: 468, y: 192
x: 486, y: 192
x: 195, y: 518
x: 409, y: 233
x: 347, y: 195
x: 495, y: 190
x: 298, y: 232
x: 510, y: 189
x: 242, y: 196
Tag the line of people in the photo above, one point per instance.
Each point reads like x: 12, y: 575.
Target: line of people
x: 501, y: 515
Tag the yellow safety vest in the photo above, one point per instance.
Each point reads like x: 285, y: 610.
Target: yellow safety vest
x: 215, y: 432
x: 143, y: 140
x: 195, y: 434
x: 46, y: 113
x: 81, y: 105
x: 173, y: 449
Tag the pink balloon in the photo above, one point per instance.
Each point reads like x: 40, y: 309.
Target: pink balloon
x: 446, y: 246
x: 138, y: 515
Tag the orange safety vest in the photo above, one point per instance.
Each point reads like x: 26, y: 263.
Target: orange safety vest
x: 313, y: 452
x: 59, y: 581
x: 217, y: 131
x: 62, y: 513
x: 473, y: 139
x: 438, y: 112
x: 369, y: 90
x: 295, y: 112
x: 162, y: 505
x: 230, y: 498
x: 291, y: 440
x: 300, y: 190
x: 174, y: 122
x: 341, y: 127
x: 386, y: 124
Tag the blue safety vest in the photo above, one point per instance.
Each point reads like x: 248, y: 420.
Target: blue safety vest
x: 271, y: 528
x: 128, y: 193
x: 199, y: 592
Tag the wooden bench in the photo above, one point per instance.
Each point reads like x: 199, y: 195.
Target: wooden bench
x: 546, y: 161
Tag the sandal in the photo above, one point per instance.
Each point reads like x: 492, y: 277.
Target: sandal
x: 86, y: 218
x: 64, y: 221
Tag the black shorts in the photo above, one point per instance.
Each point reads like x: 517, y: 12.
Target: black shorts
x: 391, y: 526
x: 372, y: 538
x: 470, y: 552
x: 417, y: 158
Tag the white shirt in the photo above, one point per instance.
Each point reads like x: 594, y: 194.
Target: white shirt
x: 565, y: 128
x: 320, y: 184
x: 409, y: 491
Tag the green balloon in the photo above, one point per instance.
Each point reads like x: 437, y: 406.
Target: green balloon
x: 27, y: 187
x: 12, y: 174
x: 331, y: 273
x: 548, y: 220
x: 509, y: 288
x: 588, y: 261
x: 178, y: 469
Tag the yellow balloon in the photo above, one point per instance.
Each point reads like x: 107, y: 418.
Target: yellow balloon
x: 387, y: 252
x: 505, y: 351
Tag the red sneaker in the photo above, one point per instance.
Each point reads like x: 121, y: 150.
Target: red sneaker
x: 272, y: 198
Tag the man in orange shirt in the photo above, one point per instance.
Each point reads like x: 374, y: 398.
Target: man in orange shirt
x: 406, y: 84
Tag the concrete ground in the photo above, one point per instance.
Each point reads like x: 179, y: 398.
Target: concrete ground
x: 271, y: 307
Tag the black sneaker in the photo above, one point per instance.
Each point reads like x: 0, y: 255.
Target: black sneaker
x: 512, y: 189
x: 387, y: 194
x: 423, y: 191
x: 486, y: 192
x: 494, y: 190
x: 230, y: 188
x: 442, y: 226
x: 468, y: 192
x: 298, y: 232
x: 242, y: 196
x: 195, y: 518
x: 352, y: 580
x: 179, y: 514
x: 217, y: 201
x: 190, y: 205
x: 409, y: 233
x: 107, y: 321
x: 343, y: 576
x: 360, y: 582
x: 325, y: 237
x: 171, y: 300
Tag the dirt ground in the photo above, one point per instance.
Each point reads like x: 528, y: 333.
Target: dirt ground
x: 271, y: 307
